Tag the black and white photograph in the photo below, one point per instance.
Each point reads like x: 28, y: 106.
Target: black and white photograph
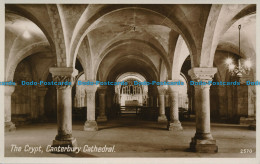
x: 129, y: 82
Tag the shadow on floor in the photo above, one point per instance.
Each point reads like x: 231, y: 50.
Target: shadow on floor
x: 132, y: 127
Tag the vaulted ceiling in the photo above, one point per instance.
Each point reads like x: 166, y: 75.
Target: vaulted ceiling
x: 113, y: 39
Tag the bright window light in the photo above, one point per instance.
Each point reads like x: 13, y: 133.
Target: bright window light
x: 229, y: 61
x: 231, y: 67
x: 248, y: 63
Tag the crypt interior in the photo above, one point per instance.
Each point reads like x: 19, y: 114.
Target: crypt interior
x: 131, y: 42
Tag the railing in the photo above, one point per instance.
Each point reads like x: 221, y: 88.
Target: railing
x: 128, y: 110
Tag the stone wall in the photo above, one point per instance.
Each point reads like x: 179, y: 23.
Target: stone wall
x: 230, y: 103
x: 24, y: 98
x: 31, y: 103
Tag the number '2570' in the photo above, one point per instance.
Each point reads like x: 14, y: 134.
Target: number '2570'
x: 246, y: 151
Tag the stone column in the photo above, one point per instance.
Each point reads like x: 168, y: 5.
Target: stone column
x: 203, y: 140
x: 64, y: 106
x: 102, y: 104
x: 41, y: 95
x: 151, y: 101
x: 161, y: 91
x: 174, y: 123
x: 9, y: 126
x: 91, y: 124
x: 167, y: 100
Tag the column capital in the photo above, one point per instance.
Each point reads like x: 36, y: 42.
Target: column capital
x: 63, y: 71
x: 9, y: 90
x: 90, y: 88
x: 63, y: 74
x: 102, y: 89
x: 201, y: 87
x: 202, y: 74
x: 161, y: 89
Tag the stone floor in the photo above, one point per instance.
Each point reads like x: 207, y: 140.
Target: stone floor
x: 134, y: 138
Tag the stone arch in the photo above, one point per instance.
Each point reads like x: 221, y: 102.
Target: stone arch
x: 208, y: 42
x: 59, y: 38
x: 119, y: 90
x: 130, y: 41
x: 250, y: 9
x: 79, y: 93
x: 23, y: 53
x: 127, y: 74
x: 180, y: 54
x: 163, y: 72
x: 44, y: 76
x: 143, y: 59
x: 78, y: 76
x: 81, y: 61
x: 231, y: 47
x: 22, y: 11
x: 85, y: 58
x: 215, y: 28
x: 135, y: 37
x: 184, y: 77
x: 84, y: 26
x: 183, y: 92
x: 55, y: 35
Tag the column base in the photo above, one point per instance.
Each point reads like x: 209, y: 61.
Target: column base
x: 69, y: 143
x: 9, y: 127
x: 247, y: 120
x: 90, y: 126
x: 162, y: 119
x: 174, y: 126
x: 102, y: 118
x: 203, y: 145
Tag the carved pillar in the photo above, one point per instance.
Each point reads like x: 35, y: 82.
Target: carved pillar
x: 102, y: 104
x: 64, y: 105
x: 161, y: 91
x: 9, y: 126
x: 41, y: 95
x: 174, y: 123
x: 91, y: 124
x: 203, y: 140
